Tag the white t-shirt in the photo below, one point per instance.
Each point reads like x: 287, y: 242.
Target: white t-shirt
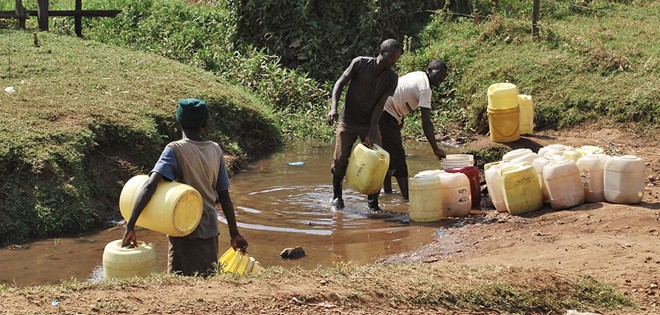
x: 412, y: 91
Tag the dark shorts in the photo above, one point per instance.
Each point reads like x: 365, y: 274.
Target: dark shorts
x: 345, y: 137
x: 190, y: 257
x: 390, y: 131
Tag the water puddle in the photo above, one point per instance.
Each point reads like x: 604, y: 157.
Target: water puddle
x: 280, y: 202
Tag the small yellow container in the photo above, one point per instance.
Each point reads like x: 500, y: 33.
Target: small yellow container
x: 367, y: 168
x: 502, y: 96
x: 239, y: 262
x: 504, y: 124
x: 425, y: 203
x: 521, y: 190
x: 526, y: 114
x: 120, y: 262
x: 174, y: 209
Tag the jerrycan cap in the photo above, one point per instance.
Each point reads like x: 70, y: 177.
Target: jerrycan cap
x: 501, y: 87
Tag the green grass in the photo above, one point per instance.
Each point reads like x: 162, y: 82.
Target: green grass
x: 352, y: 288
x: 599, y: 63
x: 85, y: 116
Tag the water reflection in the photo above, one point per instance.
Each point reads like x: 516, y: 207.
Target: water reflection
x: 278, y: 205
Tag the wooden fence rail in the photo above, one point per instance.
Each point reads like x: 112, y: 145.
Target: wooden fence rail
x: 21, y: 14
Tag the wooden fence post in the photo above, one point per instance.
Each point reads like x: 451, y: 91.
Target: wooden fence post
x: 21, y: 14
x: 535, y: 18
x: 78, y: 18
x: 42, y: 14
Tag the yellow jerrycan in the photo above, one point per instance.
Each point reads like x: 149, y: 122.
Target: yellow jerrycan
x: 239, y: 262
x: 124, y: 262
x: 521, y: 189
x: 367, y: 168
x: 174, y: 209
x: 502, y: 96
x: 526, y: 114
x: 425, y: 203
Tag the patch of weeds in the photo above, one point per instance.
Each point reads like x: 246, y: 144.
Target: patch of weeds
x: 115, y: 305
x: 503, y: 30
x: 608, y: 61
x: 600, y: 294
x: 487, y: 155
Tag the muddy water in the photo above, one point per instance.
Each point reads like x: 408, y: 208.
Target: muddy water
x: 277, y: 205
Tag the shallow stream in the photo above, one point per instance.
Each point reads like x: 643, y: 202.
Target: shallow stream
x: 278, y: 205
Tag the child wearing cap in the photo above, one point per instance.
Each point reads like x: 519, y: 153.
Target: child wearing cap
x: 199, y: 163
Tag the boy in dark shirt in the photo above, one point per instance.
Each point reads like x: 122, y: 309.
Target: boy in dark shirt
x: 372, y: 81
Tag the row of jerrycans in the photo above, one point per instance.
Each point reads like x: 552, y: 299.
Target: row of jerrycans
x: 564, y: 177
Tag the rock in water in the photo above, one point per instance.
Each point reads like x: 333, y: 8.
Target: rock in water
x: 293, y: 253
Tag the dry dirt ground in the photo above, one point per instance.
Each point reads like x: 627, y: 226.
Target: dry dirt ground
x: 619, y: 244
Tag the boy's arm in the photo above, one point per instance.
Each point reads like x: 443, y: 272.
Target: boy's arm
x: 144, y: 195
x: 346, y: 77
x: 237, y: 241
x: 429, y: 132
x: 376, y: 113
x: 336, y: 95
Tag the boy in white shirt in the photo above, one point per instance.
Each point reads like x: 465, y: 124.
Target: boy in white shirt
x: 413, y: 91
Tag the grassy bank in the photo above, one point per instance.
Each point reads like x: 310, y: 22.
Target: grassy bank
x: 86, y: 116
x: 596, y: 61
x: 376, y: 289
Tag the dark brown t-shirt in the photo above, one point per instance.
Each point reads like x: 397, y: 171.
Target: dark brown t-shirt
x: 367, y: 85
